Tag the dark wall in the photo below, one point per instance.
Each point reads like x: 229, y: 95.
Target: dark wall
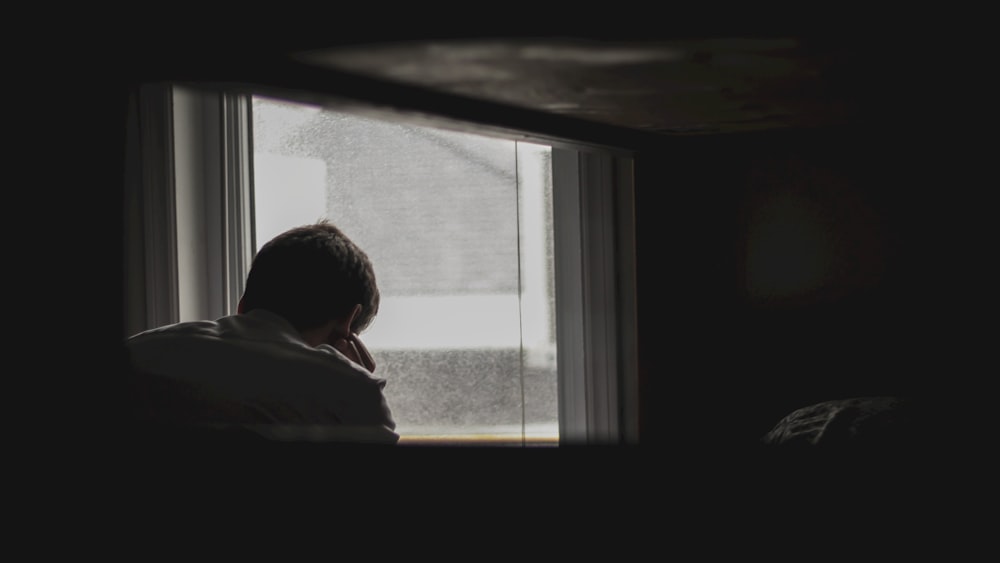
x: 786, y: 268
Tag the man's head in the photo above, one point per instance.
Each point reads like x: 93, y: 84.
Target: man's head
x: 311, y: 275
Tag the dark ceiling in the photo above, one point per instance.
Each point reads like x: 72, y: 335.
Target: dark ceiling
x: 638, y: 85
x: 660, y: 86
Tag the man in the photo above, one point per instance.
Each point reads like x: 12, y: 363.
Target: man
x: 289, y: 365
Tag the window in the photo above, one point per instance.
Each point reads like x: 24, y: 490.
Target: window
x: 459, y: 229
x: 519, y: 250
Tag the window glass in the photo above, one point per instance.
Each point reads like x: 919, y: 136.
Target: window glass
x: 459, y: 229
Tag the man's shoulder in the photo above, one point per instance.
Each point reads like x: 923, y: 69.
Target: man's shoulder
x: 193, y: 328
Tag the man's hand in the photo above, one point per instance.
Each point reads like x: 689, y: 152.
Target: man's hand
x: 352, y: 347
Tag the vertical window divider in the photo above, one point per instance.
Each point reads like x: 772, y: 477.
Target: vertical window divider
x: 598, y: 375
x: 238, y: 201
x: 627, y: 319
x: 198, y: 166
x: 520, y: 286
x: 570, y: 319
x: 598, y: 294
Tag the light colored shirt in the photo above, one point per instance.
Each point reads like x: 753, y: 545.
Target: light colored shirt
x: 255, y: 371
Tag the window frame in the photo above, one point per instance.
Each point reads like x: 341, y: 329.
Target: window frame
x: 190, y: 152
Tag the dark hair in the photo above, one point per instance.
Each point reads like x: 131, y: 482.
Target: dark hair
x: 310, y: 275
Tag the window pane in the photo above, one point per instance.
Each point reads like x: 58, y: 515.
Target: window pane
x: 459, y: 228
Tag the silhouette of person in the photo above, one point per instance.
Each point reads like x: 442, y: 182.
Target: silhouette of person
x: 289, y: 365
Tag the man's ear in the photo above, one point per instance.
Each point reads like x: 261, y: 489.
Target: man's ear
x: 239, y: 307
x: 343, y: 326
x: 351, y: 317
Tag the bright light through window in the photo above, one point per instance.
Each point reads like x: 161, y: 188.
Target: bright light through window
x: 459, y: 228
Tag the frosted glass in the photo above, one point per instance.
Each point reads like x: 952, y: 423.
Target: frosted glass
x: 458, y: 227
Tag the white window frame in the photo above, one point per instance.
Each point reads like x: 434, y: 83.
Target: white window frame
x: 190, y: 243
